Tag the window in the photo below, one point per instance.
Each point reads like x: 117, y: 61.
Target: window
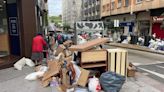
x: 108, y: 7
x: 119, y: 3
x: 139, y: 1
x: 112, y: 5
x: 126, y: 3
x: 104, y: 8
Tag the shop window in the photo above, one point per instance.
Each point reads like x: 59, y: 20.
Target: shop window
x: 119, y: 4
x: 138, y: 1
x: 144, y: 27
x: 126, y: 3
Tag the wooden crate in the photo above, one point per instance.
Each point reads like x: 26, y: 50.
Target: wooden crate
x: 92, y: 59
x: 117, y: 61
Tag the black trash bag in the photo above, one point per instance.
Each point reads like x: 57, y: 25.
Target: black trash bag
x: 111, y: 82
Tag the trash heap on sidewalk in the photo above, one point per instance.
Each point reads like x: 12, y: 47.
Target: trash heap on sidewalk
x: 83, y: 67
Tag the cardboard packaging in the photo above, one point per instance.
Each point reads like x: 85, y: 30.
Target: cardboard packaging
x: 60, y: 49
x: 83, y: 79
x: 131, y: 70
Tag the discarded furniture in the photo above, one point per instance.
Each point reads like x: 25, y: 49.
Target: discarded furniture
x: 88, y: 45
x: 89, y: 57
x: 117, y: 61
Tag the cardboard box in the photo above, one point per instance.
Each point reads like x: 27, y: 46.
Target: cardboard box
x: 65, y: 78
x: 83, y: 79
x: 131, y: 71
x: 67, y: 53
x: 54, y: 69
x: 67, y: 43
x: 68, y: 59
x: 60, y: 49
x: 45, y: 83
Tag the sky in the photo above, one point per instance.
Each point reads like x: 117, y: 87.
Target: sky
x: 55, y: 7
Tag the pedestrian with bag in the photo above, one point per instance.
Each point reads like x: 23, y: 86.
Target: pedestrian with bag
x: 38, y: 44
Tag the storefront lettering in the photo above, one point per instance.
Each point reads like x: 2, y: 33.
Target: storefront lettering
x: 13, y: 26
x: 158, y: 18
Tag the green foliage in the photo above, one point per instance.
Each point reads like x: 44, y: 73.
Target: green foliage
x: 55, y: 19
x: 66, y: 27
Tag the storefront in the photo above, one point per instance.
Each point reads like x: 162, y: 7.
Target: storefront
x: 126, y: 22
x: 9, y: 28
x: 128, y: 27
x: 156, y: 27
x: 157, y: 17
x: 143, y: 23
x: 19, y: 23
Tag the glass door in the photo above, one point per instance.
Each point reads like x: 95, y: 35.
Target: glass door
x: 4, y: 39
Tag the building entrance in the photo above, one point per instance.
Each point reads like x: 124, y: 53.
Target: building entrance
x: 4, y: 38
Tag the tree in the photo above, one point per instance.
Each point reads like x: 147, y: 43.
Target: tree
x: 66, y: 27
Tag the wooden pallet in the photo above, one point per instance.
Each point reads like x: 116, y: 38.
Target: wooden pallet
x: 117, y: 61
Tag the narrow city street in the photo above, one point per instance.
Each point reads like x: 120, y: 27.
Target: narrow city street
x: 81, y: 45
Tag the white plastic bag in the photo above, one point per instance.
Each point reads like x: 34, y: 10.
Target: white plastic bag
x: 43, y: 69
x: 78, y: 72
x: 34, y: 76
x: 94, y: 85
x: 19, y: 64
x: 29, y: 62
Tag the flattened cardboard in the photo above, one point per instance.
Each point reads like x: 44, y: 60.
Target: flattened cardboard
x: 46, y: 82
x: 68, y: 59
x: 54, y: 69
x: 83, y: 79
x: 59, y: 49
x: 65, y: 78
x: 67, y: 43
x: 88, y: 45
x: 67, y: 53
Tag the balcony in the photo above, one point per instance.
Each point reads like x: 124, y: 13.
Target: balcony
x: 94, y: 9
x: 90, y: 2
x: 98, y: 7
x: 90, y: 10
x: 93, y: 1
x: 86, y: 4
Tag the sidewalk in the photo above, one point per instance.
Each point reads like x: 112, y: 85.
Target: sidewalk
x: 136, y: 47
x: 12, y: 80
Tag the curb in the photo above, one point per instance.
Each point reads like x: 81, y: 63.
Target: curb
x: 135, y: 47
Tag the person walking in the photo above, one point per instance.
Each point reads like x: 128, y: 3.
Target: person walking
x: 52, y: 42
x: 37, y: 48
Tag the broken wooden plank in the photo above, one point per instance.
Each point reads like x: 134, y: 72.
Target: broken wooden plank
x: 88, y: 45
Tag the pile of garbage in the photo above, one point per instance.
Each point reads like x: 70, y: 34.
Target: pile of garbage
x: 156, y: 44
x: 63, y: 73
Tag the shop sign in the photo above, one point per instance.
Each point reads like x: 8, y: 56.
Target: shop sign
x: 126, y: 24
x: 13, y: 26
x: 158, y: 18
x: 89, y: 25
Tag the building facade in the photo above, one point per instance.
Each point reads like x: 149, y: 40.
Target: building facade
x: 90, y: 9
x: 71, y: 11
x: 136, y: 16
x: 19, y: 22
